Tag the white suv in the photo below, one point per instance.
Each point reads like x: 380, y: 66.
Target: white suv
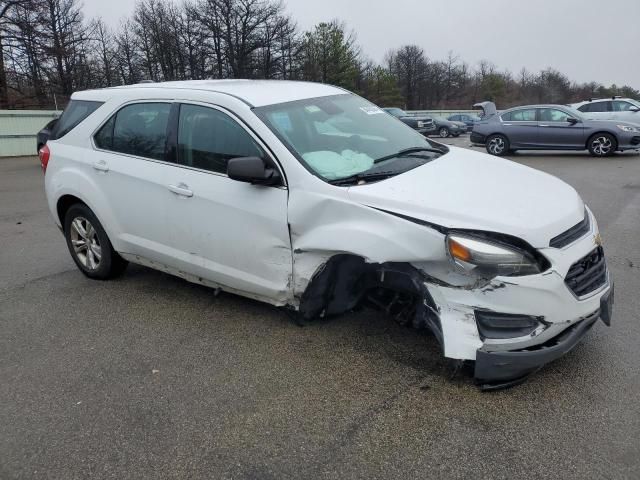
x: 308, y: 197
x: 615, y: 108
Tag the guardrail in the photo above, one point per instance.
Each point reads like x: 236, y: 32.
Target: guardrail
x: 18, y: 130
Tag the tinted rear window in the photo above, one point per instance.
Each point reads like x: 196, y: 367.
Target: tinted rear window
x: 138, y: 129
x: 596, y: 107
x: 73, y: 115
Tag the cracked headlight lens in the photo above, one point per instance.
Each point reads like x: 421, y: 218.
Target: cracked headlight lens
x: 488, y: 258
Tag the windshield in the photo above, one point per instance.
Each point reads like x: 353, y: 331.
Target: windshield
x: 344, y: 136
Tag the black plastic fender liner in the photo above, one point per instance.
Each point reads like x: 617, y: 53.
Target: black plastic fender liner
x: 344, y: 280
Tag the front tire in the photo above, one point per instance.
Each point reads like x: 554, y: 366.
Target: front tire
x: 497, y: 145
x: 443, y: 132
x: 602, y: 145
x: 89, y: 245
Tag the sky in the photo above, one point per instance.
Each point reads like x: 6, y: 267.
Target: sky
x: 588, y: 40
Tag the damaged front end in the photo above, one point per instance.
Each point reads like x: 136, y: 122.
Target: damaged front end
x: 510, y: 315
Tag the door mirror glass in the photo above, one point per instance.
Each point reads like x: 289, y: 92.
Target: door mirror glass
x: 252, y: 170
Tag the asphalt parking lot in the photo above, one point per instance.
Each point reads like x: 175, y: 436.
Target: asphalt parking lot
x: 149, y: 376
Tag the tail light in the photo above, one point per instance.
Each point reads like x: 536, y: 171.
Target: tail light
x: 44, y: 153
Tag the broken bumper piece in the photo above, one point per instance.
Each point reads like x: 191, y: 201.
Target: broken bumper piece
x: 502, y: 369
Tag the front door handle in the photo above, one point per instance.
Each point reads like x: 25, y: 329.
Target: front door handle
x: 181, y: 189
x: 101, y: 166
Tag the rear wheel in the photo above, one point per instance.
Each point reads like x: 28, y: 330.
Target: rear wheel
x: 443, y: 132
x: 89, y: 245
x: 602, y: 145
x: 497, y: 145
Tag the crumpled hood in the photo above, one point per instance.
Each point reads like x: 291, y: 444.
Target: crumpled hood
x: 470, y: 190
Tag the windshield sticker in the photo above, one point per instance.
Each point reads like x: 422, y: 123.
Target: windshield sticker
x: 312, y: 109
x: 371, y: 110
x: 282, y: 121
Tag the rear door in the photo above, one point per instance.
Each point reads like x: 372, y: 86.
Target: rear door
x: 227, y: 232
x: 556, y: 131
x: 521, y: 128
x: 130, y: 170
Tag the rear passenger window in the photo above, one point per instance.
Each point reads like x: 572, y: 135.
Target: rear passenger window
x: 520, y: 116
x: 596, y: 107
x: 76, y: 112
x: 208, y: 138
x: 139, y: 129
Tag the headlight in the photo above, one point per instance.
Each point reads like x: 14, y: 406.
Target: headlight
x: 488, y: 258
x: 627, y: 128
x: 420, y: 124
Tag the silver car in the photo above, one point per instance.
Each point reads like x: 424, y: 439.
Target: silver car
x: 552, y: 127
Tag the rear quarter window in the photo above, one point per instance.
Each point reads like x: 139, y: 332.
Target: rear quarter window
x: 73, y: 115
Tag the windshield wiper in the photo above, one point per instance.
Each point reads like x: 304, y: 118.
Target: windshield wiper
x: 354, y: 179
x: 406, y: 152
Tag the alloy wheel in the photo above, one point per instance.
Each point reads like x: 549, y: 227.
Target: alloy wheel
x: 444, y: 133
x: 86, y: 244
x: 496, y: 145
x: 601, y: 145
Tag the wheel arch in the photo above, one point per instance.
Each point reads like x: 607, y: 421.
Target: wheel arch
x: 600, y: 132
x: 398, y: 288
x: 65, y: 202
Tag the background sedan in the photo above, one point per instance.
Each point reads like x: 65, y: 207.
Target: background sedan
x: 553, y: 127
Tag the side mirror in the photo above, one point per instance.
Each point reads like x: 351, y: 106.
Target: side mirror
x: 634, y: 109
x: 572, y: 120
x: 253, y: 170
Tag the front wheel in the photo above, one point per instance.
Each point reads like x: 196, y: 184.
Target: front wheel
x: 602, y: 145
x: 89, y: 245
x: 443, y: 132
x: 497, y: 145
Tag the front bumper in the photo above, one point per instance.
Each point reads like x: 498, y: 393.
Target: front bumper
x: 494, y: 370
x: 503, y: 360
x: 628, y: 141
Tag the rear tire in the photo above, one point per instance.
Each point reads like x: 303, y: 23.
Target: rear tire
x: 602, y: 145
x: 89, y: 245
x: 497, y: 145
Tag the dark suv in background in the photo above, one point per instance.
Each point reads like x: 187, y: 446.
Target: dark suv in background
x: 423, y: 125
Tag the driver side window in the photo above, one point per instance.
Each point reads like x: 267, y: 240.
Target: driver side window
x: 208, y: 139
x: 621, y: 106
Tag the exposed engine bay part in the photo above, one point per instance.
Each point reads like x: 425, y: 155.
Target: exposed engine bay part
x: 345, y: 281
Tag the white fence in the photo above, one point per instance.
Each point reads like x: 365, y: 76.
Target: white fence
x: 18, y: 130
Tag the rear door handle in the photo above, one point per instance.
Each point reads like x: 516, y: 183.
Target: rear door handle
x: 101, y: 166
x: 181, y: 189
